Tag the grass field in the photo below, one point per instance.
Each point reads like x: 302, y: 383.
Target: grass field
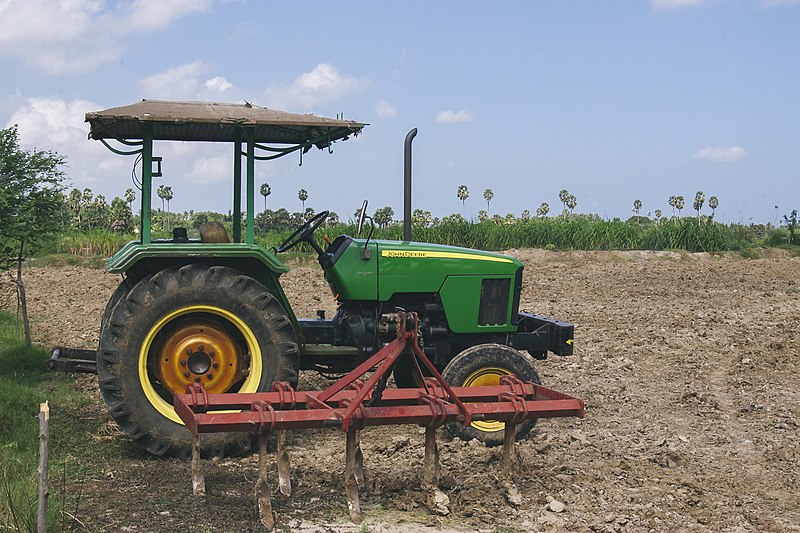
x: 24, y: 384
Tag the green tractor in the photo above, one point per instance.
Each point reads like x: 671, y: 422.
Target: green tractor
x: 192, y: 311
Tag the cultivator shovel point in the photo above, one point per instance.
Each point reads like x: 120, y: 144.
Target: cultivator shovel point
x: 356, y: 401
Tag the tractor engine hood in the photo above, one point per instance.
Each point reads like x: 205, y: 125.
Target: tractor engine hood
x: 478, y: 289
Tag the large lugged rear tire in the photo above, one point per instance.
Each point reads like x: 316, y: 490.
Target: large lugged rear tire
x: 195, y: 323
x: 484, y: 365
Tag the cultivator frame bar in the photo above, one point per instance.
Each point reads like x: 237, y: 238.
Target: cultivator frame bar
x: 356, y: 401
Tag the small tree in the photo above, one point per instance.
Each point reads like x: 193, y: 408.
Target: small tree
x: 31, y: 207
x: 383, y: 216
x: 791, y: 224
x: 265, y: 191
x: 488, y: 195
x: 525, y: 216
x: 637, y: 207
x: 483, y: 216
x: 120, y: 215
x: 713, y: 203
x: 421, y: 218
x: 658, y: 216
x: 463, y: 194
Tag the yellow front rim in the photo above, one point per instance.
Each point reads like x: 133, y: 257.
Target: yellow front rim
x: 487, y: 377
x: 251, y: 382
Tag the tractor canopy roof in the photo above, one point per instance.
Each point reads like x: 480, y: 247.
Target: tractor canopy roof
x: 217, y: 122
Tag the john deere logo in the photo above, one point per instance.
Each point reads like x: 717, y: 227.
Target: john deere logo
x: 417, y: 254
x: 403, y: 253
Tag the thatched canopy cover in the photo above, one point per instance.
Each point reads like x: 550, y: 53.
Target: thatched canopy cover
x: 209, y: 121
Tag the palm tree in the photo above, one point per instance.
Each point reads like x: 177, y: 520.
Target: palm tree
x: 713, y: 203
x: 572, y: 203
x: 488, y: 195
x: 525, y: 216
x: 658, y: 216
x: 265, y: 190
x: 302, y: 195
x: 637, y: 206
x: 680, y: 203
x: 672, y: 200
x: 130, y: 197
x: 162, y: 193
x: 542, y: 210
x: 699, y: 200
x: 463, y: 194
x: 563, y: 196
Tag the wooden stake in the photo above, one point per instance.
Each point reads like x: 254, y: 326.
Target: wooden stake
x: 44, y: 454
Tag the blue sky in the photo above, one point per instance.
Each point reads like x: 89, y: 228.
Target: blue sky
x: 614, y: 101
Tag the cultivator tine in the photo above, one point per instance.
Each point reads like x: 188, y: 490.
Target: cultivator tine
x: 284, y: 481
x: 508, y: 464
x: 198, y: 481
x: 436, y: 500
x: 357, y: 401
x: 262, y: 492
x: 353, y: 464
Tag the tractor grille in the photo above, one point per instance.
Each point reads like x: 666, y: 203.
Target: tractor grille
x: 493, y: 308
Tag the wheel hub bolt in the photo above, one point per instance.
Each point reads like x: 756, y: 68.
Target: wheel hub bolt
x: 216, y: 365
x: 197, y: 380
x: 189, y: 351
x: 210, y: 377
x: 186, y: 374
x: 200, y: 347
x: 211, y: 353
x: 183, y: 362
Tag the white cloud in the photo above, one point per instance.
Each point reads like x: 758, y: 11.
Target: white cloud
x: 671, y: 5
x: 454, y: 116
x: 56, y: 124
x: 209, y: 170
x: 218, y: 84
x: 322, y: 85
x: 61, y: 36
x: 724, y: 154
x: 385, y: 110
x: 183, y: 82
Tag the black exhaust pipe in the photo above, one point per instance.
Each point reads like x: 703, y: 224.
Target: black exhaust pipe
x: 407, y: 185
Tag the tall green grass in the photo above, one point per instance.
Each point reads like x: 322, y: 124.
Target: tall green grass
x: 559, y: 234
x: 23, y: 386
x: 579, y: 233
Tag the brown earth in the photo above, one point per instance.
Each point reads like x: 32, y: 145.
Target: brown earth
x: 688, y: 364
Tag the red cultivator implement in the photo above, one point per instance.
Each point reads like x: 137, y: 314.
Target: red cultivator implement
x: 356, y: 401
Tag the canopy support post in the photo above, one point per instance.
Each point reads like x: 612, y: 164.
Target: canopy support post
x: 251, y: 172
x: 147, y: 181
x: 237, y: 187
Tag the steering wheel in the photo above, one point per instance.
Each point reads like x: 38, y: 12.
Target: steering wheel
x: 303, y: 233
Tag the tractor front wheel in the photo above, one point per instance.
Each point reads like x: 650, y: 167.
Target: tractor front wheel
x: 484, y: 365
x: 192, y: 324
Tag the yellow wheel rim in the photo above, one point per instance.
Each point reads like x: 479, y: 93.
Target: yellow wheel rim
x: 486, y: 377
x: 213, y: 339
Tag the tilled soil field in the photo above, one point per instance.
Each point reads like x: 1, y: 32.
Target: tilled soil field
x: 688, y: 364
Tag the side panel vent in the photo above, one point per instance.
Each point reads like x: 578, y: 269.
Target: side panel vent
x: 493, y: 308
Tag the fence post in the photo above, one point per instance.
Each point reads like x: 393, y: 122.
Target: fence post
x: 44, y: 453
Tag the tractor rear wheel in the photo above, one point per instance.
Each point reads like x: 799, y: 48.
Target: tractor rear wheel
x: 191, y: 324
x: 484, y: 365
